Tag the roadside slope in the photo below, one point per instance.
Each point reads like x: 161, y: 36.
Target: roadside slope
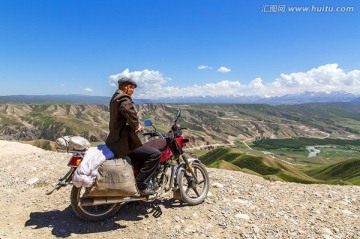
x: 239, y: 206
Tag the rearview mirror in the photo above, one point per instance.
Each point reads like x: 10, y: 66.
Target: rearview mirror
x: 148, y: 123
x: 178, y: 114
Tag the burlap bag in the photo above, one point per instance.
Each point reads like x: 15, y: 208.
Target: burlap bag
x: 115, y: 178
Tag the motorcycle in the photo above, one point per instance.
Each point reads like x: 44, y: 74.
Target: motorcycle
x: 186, y: 177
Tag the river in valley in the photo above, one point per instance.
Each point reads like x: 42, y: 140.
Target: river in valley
x: 312, y: 151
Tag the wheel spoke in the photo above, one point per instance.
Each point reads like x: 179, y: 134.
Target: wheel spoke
x: 188, y: 177
x: 196, y: 191
x: 187, y: 190
x: 202, y: 181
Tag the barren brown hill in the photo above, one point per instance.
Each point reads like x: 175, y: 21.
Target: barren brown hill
x: 209, y: 123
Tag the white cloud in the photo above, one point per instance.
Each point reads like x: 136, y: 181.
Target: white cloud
x: 88, y: 90
x: 257, y: 84
x: 204, y: 67
x: 144, y: 79
x: 327, y: 78
x: 224, y: 69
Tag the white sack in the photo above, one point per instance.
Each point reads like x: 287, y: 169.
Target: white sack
x: 85, y: 174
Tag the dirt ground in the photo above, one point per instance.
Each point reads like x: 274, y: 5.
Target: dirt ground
x: 238, y: 206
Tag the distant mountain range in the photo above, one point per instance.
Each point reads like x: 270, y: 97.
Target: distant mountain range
x: 314, y: 97
x: 81, y: 99
x: 305, y: 97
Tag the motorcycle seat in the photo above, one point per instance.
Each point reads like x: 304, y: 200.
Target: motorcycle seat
x: 159, y: 144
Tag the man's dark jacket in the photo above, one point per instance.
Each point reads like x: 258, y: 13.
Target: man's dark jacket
x: 122, y: 138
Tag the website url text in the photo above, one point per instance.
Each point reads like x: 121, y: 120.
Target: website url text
x: 284, y: 8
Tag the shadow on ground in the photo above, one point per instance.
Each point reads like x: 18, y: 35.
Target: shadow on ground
x: 64, y: 223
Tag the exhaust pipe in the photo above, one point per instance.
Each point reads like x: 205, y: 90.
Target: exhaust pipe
x: 108, y: 200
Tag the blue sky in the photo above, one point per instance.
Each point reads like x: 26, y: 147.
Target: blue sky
x: 189, y: 48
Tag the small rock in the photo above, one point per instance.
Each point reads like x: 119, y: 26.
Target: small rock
x: 326, y: 231
x: 188, y: 229
x: 242, y: 216
x: 194, y: 215
x: 255, y: 229
x: 217, y: 185
x: 32, y: 181
x: 327, y: 236
x: 347, y: 212
x: 225, y: 209
x: 208, y: 226
x: 240, y: 201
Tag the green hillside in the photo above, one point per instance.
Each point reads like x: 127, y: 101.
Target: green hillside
x: 348, y: 171
x: 325, y: 116
x: 300, y: 143
x: 268, y: 168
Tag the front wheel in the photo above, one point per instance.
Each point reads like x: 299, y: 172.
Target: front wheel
x: 191, y: 192
x: 91, y: 213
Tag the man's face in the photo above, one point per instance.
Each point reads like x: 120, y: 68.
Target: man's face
x: 129, y: 89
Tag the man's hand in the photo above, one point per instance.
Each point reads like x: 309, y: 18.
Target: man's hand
x: 139, y: 128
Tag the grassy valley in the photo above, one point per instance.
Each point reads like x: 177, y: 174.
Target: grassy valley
x: 288, y: 160
x: 268, y: 168
x: 302, y: 151
x: 345, y: 172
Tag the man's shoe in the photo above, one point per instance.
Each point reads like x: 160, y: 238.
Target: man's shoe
x: 147, y: 191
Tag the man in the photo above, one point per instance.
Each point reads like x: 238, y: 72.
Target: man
x: 123, y: 140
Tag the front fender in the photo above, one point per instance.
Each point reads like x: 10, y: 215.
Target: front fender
x: 182, y: 167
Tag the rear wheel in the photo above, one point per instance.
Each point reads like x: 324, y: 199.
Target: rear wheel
x: 91, y: 213
x: 191, y: 192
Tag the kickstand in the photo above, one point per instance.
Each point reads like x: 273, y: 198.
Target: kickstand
x: 55, y: 188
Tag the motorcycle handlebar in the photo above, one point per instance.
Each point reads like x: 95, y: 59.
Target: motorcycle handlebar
x: 153, y: 134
